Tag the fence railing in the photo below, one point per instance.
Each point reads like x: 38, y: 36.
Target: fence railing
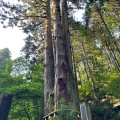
x: 56, y: 113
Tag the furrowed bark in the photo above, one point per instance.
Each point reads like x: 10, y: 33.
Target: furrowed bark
x: 62, y: 89
x: 72, y: 75
x: 49, y: 66
x: 66, y: 33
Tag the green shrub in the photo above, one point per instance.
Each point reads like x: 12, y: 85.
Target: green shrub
x: 66, y: 112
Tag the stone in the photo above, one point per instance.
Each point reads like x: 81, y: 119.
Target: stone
x: 5, y: 104
x: 85, y: 111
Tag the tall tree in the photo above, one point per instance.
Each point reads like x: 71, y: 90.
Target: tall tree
x: 62, y: 88
x: 49, y: 65
x: 5, y: 56
x: 69, y: 54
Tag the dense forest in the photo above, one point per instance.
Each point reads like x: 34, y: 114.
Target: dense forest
x: 89, y: 51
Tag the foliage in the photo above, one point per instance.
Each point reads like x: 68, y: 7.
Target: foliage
x: 103, y: 111
x: 26, y: 88
x: 96, y: 57
x: 66, y: 112
x: 29, y: 100
x: 20, y: 66
x: 5, y: 56
x: 29, y: 16
x: 113, y: 85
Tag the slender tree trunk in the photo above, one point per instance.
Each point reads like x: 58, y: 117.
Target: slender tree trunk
x: 74, y: 87
x: 90, y: 72
x: 108, y: 57
x: 109, y: 32
x: 49, y: 66
x: 108, y: 47
x: 79, y: 75
x: 94, y: 62
x: 117, y: 47
x: 117, y: 66
x: 88, y: 78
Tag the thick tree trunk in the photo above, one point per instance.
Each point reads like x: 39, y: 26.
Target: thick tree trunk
x: 65, y: 87
x: 62, y: 89
x: 49, y: 66
x: 70, y: 57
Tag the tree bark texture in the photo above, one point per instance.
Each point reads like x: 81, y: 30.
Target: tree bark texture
x: 70, y: 57
x: 59, y: 82
x: 49, y: 66
x: 62, y: 88
x: 66, y: 33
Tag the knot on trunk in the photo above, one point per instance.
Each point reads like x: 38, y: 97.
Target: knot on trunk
x: 64, y: 66
x: 61, y: 83
x: 58, y: 8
